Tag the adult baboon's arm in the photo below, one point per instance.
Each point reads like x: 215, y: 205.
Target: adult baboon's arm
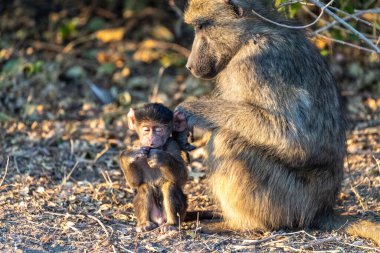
x: 260, y: 127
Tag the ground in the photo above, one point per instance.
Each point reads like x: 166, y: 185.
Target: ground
x: 63, y: 107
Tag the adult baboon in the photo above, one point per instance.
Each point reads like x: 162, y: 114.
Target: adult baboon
x: 278, y: 138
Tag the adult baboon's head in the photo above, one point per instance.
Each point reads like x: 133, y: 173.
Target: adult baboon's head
x: 218, y: 32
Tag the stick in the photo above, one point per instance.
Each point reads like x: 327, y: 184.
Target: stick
x: 323, y: 9
x: 317, y: 242
x: 6, y: 171
x: 347, y: 43
x: 100, y: 223
x: 354, y: 16
x: 256, y: 242
x: 347, y: 25
x: 64, y: 180
x: 157, y: 85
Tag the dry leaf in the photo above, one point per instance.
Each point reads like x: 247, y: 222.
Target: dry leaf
x: 108, y: 35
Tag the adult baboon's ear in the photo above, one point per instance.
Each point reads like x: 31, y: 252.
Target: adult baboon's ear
x: 236, y: 7
x: 131, y: 119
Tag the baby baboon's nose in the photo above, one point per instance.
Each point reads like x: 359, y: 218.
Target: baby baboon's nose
x: 189, y: 67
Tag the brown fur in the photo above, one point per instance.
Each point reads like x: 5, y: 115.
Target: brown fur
x: 277, y: 144
x: 158, y: 179
x: 157, y: 170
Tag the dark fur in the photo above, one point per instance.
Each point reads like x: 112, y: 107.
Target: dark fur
x: 278, y: 137
x: 154, y: 112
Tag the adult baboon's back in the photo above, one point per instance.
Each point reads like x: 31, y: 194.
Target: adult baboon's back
x: 277, y: 146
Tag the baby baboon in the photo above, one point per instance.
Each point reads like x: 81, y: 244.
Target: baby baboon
x: 278, y: 135
x: 156, y: 169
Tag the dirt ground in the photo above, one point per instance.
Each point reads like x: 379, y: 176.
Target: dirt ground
x: 64, y: 96
x: 63, y: 191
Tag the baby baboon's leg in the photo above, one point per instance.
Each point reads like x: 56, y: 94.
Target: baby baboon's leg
x: 143, y: 204
x: 174, y: 205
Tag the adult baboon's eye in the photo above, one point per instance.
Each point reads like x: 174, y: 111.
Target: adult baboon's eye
x: 198, y: 27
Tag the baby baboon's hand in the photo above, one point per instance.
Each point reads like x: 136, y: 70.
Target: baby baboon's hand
x: 142, y: 152
x: 155, y: 158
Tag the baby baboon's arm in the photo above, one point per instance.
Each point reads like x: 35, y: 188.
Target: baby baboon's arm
x: 173, y: 168
x: 133, y: 167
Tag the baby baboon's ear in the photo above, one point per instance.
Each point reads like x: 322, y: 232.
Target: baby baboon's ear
x: 131, y: 119
x: 236, y: 7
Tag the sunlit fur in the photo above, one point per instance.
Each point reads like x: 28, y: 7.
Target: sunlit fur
x: 277, y: 145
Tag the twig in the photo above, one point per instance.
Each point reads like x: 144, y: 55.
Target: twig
x: 370, y: 123
x: 179, y: 13
x: 196, y: 225
x: 6, y: 171
x: 256, y: 242
x: 72, y: 147
x: 354, y: 16
x: 76, y: 42
x: 16, y: 164
x: 323, y: 9
x: 347, y: 43
x: 359, y: 246
x: 47, y: 46
x: 157, y: 84
x: 350, y: 16
x: 347, y: 25
x: 100, y: 223
x: 101, y: 153
x: 314, y: 251
x: 175, y: 47
x: 64, y: 180
x: 294, y: 2
x: 107, y: 178
x: 359, y: 198
x: 127, y: 250
x: 377, y: 162
x: 317, y: 242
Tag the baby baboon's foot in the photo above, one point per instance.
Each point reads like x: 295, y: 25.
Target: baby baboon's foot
x: 147, y: 226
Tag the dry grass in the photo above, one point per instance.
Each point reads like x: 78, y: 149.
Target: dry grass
x: 68, y: 195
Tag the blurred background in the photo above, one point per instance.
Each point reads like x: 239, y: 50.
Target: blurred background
x: 69, y: 72
x: 75, y: 59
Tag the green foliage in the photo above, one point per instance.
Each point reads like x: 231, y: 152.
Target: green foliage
x: 106, y: 69
x: 290, y: 10
x: 170, y: 59
x: 4, y: 117
x: 68, y: 29
x: 96, y: 23
x: 34, y: 68
x: 11, y: 66
x: 132, y: 7
x: 18, y: 65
